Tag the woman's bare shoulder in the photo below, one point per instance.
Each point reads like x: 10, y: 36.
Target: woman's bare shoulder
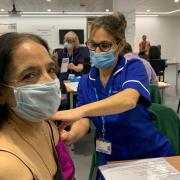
x: 55, y: 131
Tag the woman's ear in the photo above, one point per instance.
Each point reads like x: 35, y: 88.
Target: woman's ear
x: 7, y: 97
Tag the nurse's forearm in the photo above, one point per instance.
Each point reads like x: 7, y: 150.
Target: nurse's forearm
x: 118, y: 103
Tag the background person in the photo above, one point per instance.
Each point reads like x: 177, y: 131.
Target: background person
x: 128, y: 54
x: 29, y: 94
x: 72, y: 52
x: 115, y: 96
x: 154, y: 53
x: 144, y: 46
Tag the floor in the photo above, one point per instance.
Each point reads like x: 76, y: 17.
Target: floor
x: 83, y: 149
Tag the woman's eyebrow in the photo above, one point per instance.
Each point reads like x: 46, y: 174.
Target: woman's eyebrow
x: 51, y: 64
x: 28, y: 69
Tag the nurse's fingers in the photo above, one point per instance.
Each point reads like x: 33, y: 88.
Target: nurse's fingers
x: 63, y: 126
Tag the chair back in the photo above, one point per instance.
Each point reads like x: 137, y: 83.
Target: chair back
x: 159, y: 66
x: 155, y: 94
x: 167, y: 121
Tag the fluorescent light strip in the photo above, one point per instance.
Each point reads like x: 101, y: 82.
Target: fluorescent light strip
x: 63, y: 14
x: 147, y: 15
x: 67, y: 13
x: 159, y: 13
x: 57, y: 15
x: 53, y: 14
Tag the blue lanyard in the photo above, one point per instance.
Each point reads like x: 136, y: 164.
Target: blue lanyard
x: 102, y: 117
x: 70, y: 60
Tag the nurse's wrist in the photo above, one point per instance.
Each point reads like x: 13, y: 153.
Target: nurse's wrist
x: 84, y: 111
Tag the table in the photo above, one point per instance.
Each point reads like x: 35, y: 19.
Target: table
x: 173, y: 160
x: 71, y: 88
x: 153, y: 168
x: 176, y: 64
x: 162, y: 86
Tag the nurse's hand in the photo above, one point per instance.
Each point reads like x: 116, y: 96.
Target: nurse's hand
x: 67, y: 137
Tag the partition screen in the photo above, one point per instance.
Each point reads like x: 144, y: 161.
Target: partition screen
x: 79, y: 32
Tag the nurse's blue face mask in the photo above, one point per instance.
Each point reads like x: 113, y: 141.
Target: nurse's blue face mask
x: 37, y: 102
x: 104, y: 59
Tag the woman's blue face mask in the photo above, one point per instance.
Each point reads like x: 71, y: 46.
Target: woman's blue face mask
x: 68, y: 45
x: 103, y: 60
x: 36, y: 102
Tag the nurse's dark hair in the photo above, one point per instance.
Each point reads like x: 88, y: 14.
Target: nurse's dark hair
x: 8, y: 45
x: 114, y: 24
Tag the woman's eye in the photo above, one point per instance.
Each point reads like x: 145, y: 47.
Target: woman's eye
x: 52, y: 70
x: 29, y: 76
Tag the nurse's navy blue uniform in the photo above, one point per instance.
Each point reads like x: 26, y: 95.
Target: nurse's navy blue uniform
x: 131, y: 133
x: 76, y: 59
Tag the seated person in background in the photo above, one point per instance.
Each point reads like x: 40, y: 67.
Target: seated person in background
x: 55, y: 55
x: 154, y: 53
x: 29, y: 94
x: 55, y: 59
x: 128, y: 54
x: 144, y: 46
x: 72, y: 52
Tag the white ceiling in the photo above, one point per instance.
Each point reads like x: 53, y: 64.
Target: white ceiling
x: 164, y: 6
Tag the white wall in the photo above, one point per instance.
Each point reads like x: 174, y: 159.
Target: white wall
x: 160, y: 30
x: 53, y: 24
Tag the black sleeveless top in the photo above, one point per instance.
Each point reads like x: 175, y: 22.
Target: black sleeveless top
x: 58, y: 175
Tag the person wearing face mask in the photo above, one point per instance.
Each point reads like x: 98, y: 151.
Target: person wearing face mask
x: 72, y: 53
x: 29, y: 95
x: 115, y: 97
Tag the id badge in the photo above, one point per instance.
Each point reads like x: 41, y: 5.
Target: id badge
x: 64, y: 65
x: 103, y: 145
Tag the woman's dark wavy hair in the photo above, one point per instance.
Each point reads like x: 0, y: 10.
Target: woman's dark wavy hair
x: 8, y: 45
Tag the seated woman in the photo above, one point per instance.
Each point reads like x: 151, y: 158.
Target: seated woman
x: 72, y: 52
x: 29, y: 94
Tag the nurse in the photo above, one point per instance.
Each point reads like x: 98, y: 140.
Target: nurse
x: 115, y: 96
